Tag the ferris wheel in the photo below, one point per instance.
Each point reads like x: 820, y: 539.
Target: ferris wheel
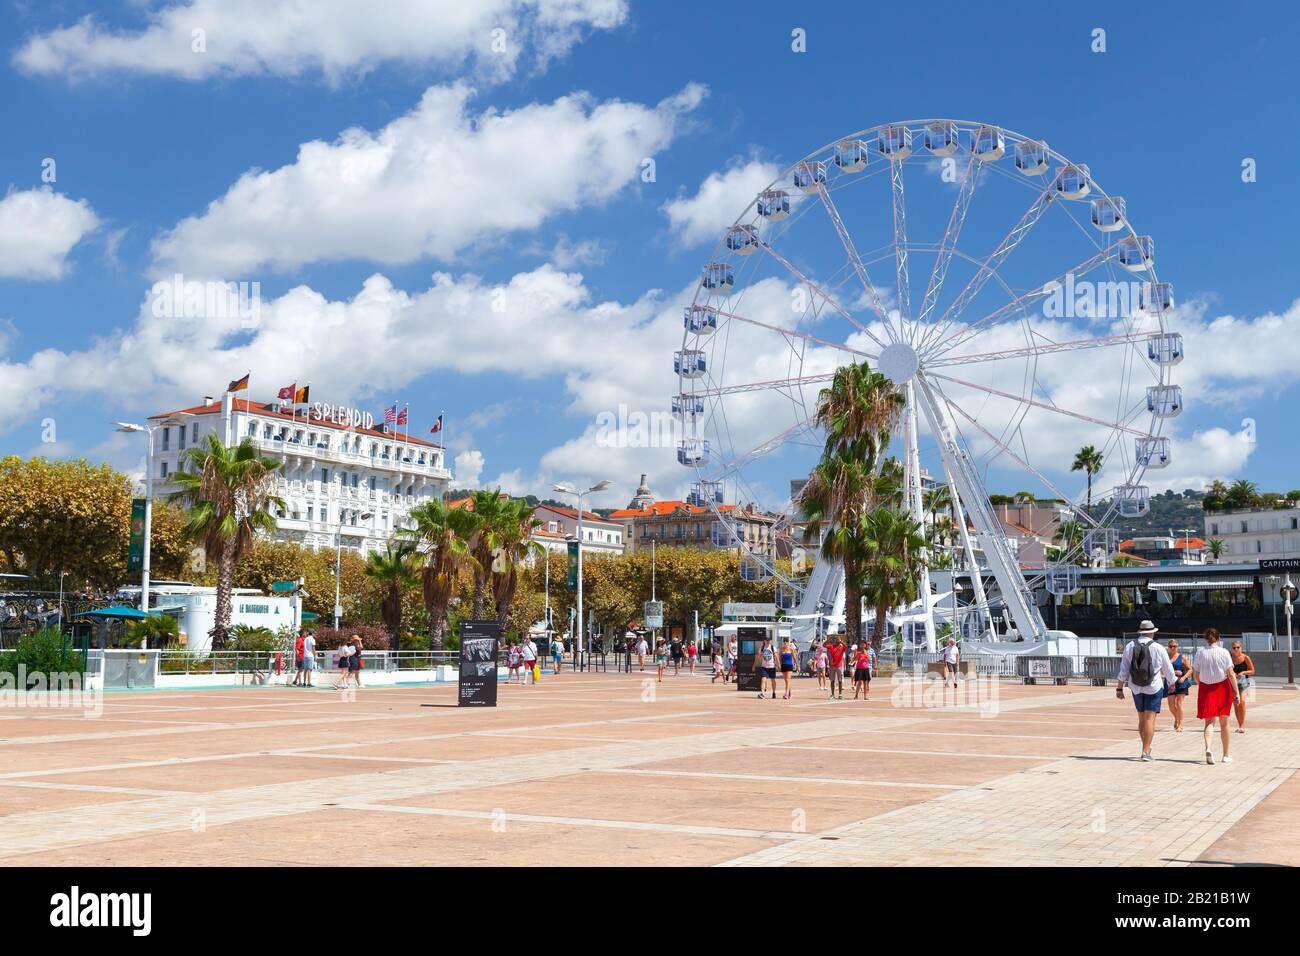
x: 995, y: 283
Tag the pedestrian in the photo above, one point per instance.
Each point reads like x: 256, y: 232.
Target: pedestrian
x: 1216, y: 689
x: 835, y: 666
x: 355, y: 660
x: 691, y: 655
x: 642, y: 649
x: 345, y: 651
x: 528, y: 658
x: 297, y: 660
x: 717, y: 666
x: 820, y: 661
x: 661, y: 658
x: 862, y: 670
x: 308, y: 658
x: 766, y: 659
x: 513, y: 658
x: 557, y: 653
x: 789, y: 655
x: 1177, y: 692
x: 1146, y: 666
x: 733, y: 661
x: 677, y: 655
x: 951, y: 661
x: 1243, y: 668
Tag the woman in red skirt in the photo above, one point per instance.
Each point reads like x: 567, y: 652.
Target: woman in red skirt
x: 1216, y: 690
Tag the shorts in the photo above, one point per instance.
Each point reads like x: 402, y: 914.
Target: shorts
x: 769, y: 673
x: 1148, y: 703
x: 309, y: 663
x: 1178, y: 690
x: 862, y: 674
x: 950, y: 667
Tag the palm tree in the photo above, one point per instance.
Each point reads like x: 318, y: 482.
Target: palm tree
x: 858, y: 411
x: 490, y: 513
x: 890, y: 574
x: 1242, y: 494
x: 396, y: 569
x: 515, y: 529
x: 1215, y: 546
x: 443, y: 535
x: 938, y: 498
x: 1088, y: 459
x: 1068, y: 534
x: 229, y: 494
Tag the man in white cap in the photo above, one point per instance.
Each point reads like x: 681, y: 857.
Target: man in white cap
x: 1147, y: 669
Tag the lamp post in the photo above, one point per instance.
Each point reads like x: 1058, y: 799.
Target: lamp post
x: 1289, y: 594
x: 179, y: 418
x: 581, y: 643
x: 338, y: 567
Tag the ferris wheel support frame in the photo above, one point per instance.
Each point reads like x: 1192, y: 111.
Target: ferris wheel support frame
x: 916, y: 508
x: 1015, y: 589
x: 976, y: 577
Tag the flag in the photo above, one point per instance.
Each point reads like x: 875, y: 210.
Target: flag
x: 402, y: 415
x: 239, y: 384
x: 437, y: 426
x: 390, y: 414
x: 300, y: 396
x: 286, y: 394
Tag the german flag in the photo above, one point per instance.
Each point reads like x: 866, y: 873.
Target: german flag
x: 239, y: 384
x: 300, y: 397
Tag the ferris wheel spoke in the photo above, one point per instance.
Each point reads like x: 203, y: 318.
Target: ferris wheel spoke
x: 1006, y: 449
x: 989, y: 267
x: 1035, y: 294
x: 900, y: 247
x: 855, y: 261
x: 727, y: 468
x: 1045, y: 348
x: 793, y: 334
x: 1118, y: 426
x: 773, y: 385
x: 956, y: 219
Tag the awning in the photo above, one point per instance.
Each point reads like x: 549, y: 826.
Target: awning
x: 1202, y: 584
x: 1112, y: 581
x: 120, y: 613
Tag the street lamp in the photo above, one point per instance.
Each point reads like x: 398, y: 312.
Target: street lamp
x: 179, y: 418
x: 570, y: 490
x: 338, y: 565
x: 1289, y: 593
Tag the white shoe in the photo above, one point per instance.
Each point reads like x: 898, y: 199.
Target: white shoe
x: 1145, y: 758
x: 1227, y: 760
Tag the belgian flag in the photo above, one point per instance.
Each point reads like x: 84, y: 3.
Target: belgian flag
x: 300, y: 397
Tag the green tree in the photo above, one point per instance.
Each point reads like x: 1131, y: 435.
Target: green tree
x: 1242, y: 494
x: 515, y: 526
x: 1216, y: 547
x: 890, y: 575
x: 396, y: 570
x: 442, y: 534
x: 1088, y: 459
x: 229, y: 493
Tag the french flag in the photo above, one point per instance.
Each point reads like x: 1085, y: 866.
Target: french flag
x: 437, y: 426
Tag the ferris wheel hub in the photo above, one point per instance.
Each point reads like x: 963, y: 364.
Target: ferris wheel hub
x: 898, y: 362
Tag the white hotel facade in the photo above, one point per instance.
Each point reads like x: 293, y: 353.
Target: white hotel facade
x: 340, y: 473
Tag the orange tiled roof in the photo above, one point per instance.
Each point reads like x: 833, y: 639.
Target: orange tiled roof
x: 573, y: 513
x: 661, y: 509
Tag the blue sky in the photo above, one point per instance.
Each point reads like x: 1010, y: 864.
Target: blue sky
x: 464, y: 165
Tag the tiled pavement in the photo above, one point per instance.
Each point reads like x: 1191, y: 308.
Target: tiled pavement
x: 613, y: 769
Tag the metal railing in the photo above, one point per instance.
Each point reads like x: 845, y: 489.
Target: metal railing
x: 247, y: 662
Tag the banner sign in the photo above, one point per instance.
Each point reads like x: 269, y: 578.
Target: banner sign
x: 478, y: 663
x: 135, y: 551
x: 1039, y: 667
x: 1279, y: 564
x: 573, y: 566
x: 733, y: 609
x: 654, y: 614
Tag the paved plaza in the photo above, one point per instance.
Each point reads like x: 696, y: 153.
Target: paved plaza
x: 611, y: 769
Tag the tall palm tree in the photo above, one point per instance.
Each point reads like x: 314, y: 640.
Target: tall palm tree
x: 890, y: 574
x: 1089, y: 460
x: 1215, y: 546
x: 491, y: 513
x: 230, y: 496
x: 857, y: 411
x: 443, y: 535
x: 938, y: 498
x: 1068, y: 535
x: 1242, y: 494
x: 516, y: 546
x: 396, y: 569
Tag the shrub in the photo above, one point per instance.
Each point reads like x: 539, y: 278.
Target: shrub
x: 43, y: 653
x: 163, y: 627
x: 374, y: 637
x: 258, y: 639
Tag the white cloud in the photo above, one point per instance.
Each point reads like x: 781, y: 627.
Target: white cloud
x: 468, y: 467
x: 430, y: 183
x: 38, y: 228
x: 721, y: 198
x: 336, y: 38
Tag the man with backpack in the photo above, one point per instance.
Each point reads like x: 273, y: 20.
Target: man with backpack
x: 1147, y: 669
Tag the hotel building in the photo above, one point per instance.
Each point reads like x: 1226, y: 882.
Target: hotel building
x: 340, y: 473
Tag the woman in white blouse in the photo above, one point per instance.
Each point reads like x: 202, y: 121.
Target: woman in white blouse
x: 1216, y: 690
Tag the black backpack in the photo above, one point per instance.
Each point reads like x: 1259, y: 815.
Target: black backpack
x: 1141, y: 668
